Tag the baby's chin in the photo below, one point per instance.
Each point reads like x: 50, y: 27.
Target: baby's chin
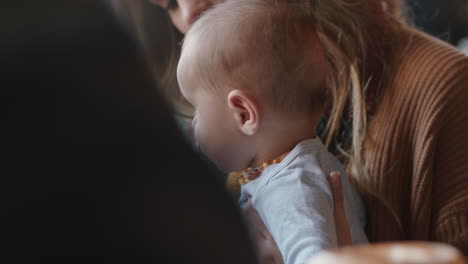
x: 224, y: 164
x: 230, y: 166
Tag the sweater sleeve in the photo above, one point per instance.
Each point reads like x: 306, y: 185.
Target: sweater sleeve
x: 450, y: 186
x: 297, y: 209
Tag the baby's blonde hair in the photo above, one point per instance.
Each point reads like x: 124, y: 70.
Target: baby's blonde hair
x: 268, y: 48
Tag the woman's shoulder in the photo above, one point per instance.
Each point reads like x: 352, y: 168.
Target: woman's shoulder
x: 417, y: 55
x: 422, y: 66
x: 426, y: 86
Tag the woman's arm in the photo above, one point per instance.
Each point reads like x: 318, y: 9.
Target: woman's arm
x: 450, y: 183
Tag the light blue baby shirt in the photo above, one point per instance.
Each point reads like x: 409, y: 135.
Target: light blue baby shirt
x: 294, y: 200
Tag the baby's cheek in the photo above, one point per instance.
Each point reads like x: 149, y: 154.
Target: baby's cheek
x: 217, y: 155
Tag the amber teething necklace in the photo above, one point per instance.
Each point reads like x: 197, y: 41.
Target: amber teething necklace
x: 239, y: 178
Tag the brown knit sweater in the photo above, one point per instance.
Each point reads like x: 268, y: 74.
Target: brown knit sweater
x: 417, y: 145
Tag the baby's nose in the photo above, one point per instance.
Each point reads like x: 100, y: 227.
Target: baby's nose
x: 194, y: 121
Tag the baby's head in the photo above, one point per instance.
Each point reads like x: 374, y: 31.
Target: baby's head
x: 248, y: 64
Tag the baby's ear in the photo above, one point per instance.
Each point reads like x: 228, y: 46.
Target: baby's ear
x: 245, y: 110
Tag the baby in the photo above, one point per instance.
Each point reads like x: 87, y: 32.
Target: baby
x: 255, y: 73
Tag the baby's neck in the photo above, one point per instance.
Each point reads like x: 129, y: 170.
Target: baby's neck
x: 279, y: 136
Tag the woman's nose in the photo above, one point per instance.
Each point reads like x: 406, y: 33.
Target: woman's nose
x: 191, y: 9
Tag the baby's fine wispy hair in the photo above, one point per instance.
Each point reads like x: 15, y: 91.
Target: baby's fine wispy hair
x: 268, y: 48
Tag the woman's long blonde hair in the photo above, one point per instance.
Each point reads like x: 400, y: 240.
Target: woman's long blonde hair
x: 352, y: 32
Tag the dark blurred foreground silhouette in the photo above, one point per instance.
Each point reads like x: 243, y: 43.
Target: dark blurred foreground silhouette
x: 93, y: 163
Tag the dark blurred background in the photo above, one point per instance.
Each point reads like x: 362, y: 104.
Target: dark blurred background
x: 445, y: 19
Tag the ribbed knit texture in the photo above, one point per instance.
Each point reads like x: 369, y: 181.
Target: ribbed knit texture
x: 417, y: 145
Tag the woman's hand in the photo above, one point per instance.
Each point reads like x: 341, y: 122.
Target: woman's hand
x: 341, y: 223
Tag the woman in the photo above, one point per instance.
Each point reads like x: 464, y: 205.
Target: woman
x: 396, y: 109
